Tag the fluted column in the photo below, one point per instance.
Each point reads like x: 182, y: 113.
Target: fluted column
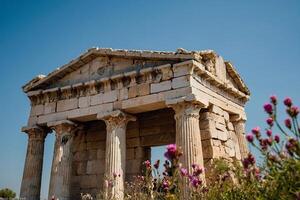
x: 188, y: 137
x: 32, y: 175
x: 115, y: 155
x: 239, y: 127
x: 60, y: 180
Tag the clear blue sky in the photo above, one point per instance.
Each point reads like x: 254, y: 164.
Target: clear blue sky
x: 261, y: 38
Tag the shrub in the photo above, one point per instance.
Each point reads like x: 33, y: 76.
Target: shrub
x: 7, y: 193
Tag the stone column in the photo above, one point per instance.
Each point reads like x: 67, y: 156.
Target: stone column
x: 188, y: 136
x: 60, y: 180
x: 239, y: 127
x: 32, y: 175
x: 115, y: 155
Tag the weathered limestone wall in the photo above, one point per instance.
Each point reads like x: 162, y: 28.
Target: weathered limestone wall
x: 151, y: 129
x: 88, y: 159
x: 219, y: 139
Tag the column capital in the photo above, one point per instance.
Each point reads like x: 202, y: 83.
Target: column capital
x: 63, y: 126
x: 238, y: 118
x: 184, y: 106
x: 115, y: 118
x: 36, y: 132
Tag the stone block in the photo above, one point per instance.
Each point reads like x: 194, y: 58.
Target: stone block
x: 220, y: 68
x: 230, y: 151
x: 222, y: 135
x: 107, y: 97
x: 230, y: 126
x: 226, y: 116
x: 123, y: 94
x: 80, y: 156
x: 219, y: 119
x: 101, y: 154
x: 183, y: 68
x: 68, y: 104
x: 216, y: 143
x: 159, y: 87
x: 229, y: 143
x: 92, y: 145
x: 131, y: 133
x: 208, y: 134
x: 166, y: 71
x: 88, y: 181
x: 172, y: 94
x: 92, y: 154
x: 81, y: 168
x: 37, y: 110
x: 133, y: 142
x: 207, y: 152
x: 206, y: 143
x: 96, y: 99
x: 221, y: 127
x: 179, y: 82
x: 143, y: 89
x: 142, y: 153
x: 144, y: 103
x: 110, y: 96
x: 130, y: 153
x: 133, y: 166
x: 94, y: 167
x: 50, y: 107
x: 32, y: 120
x: 207, y: 124
x: 132, y: 91
x: 217, y: 110
x: 84, y: 102
x: 117, y: 105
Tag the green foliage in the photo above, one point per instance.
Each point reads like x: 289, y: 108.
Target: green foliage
x: 7, y: 193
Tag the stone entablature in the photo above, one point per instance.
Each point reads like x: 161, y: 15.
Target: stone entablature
x: 206, y: 94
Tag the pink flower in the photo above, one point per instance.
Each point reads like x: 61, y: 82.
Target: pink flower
x: 170, y: 154
x: 270, y: 121
x: 293, y: 111
x: 249, y: 160
x: 156, y: 164
x: 269, y: 132
x: 268, y: 108
x: 269, y: 141
x: 183, y: 172
x: 273, y: 99
x: 277, y: 138
x: 288, y: 102
x: 147, y: 164
x: 250, y: 137
x: 288, y: 123
x: 195, y: 181
x: 165, y: 185
x: 256, y: 131
x: 194, y: 166
x: 197, y: 170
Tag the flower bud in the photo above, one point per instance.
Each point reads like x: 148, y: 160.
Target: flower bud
x: 268, y: 108
x: 288, y: 102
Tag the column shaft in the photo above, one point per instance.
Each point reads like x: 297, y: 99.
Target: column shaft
x: 188, y: 138
x: 239, y: 127
x: 60, y: 180
x: 115, y: 160
x: 32, y: 175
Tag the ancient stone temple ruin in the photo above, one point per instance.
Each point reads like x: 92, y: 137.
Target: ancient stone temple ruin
x: 107, y: 108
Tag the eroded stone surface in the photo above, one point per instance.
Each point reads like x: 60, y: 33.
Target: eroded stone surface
x: 96, y: 93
